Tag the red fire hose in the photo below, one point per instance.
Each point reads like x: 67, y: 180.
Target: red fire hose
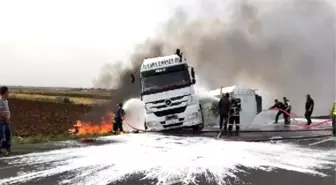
x: 288, y: 114
x: 142, y: 130
x: 301, y: 124
x: 87, y: 140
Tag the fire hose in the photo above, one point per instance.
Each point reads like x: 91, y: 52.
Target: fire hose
x: 299, y: 123
x: 89, y: 140
x: 275, y: 109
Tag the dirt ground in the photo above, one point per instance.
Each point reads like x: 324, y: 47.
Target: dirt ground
x: 31, y: 118
x: 44, y: 118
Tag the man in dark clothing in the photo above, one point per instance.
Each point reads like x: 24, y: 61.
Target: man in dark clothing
x: 288, y: 109
x: 224, y: 106
x: 178, y: 52
x: 118, y: 115
x: 309, y: 109
x: 235, y: 115
x: 278, y: 105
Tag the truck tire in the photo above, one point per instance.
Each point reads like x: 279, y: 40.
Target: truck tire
x: 145, y: 125
x: 199, y: 127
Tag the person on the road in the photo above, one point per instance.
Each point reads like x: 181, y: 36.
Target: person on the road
x: 333, y: 118
x: 309, y: 107
x: 224, y: 106
x: 280, y: 106
x: 118, y: 116
x: 288, y: 109
x: 5, y: 129
x: 235, y: 115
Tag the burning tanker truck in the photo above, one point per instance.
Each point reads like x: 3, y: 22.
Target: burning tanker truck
x: 250, y: 101
x: 168, y: 92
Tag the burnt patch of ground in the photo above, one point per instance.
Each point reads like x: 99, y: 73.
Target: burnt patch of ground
x: 30, y: 118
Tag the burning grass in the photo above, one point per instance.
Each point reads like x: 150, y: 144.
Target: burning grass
x: 84, y: 128
x: 39, y: 122
x: 81, y: 129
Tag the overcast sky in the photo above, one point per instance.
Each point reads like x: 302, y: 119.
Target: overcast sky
x: 66, y: 42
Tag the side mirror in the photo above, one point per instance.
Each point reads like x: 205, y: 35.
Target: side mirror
x: 133, y: 78
x: 192, y: 73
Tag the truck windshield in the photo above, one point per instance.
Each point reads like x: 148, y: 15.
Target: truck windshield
x: 165, y: 81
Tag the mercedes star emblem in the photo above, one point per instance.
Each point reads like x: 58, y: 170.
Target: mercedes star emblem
x: 168, y: 102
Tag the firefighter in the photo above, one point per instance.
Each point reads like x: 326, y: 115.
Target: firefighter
x: 288, y: 109
x: 278, y: 105
x: 309, y: 107
x: 224, y: 109
x: 333, y: 118
x: 235, y: 115
x: 118, y: 116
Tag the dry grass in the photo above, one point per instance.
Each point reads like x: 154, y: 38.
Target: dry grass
x: 94, y: 94
x: 55, y: 99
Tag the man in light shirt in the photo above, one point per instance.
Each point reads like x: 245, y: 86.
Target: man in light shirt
x: 5, y: 121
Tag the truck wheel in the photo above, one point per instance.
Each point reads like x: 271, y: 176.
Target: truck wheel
x: 200, y: 126
x: 145, y: 125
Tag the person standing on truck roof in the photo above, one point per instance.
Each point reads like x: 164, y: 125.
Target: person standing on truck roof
x: 333, y: 118
x: 178, y: 52
x: 118, y: 119
x: 288, y: 109
x: 235, y: 115
x: 280, y: 106
x: 224, y: 106
x: 5, y: 129
x: 309, y: 107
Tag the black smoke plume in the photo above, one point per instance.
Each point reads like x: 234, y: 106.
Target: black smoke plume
x: 284, y: 47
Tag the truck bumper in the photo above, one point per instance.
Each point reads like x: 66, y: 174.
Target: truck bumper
x: 190, y: 117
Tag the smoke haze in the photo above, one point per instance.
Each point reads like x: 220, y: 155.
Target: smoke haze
x: 286, y: 48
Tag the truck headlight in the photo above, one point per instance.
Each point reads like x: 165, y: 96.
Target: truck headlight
x: 193, y: 115
x: 147, y: 108
x: 151, y: 123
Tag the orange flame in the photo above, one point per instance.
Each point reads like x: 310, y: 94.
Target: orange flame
x: 84, y: 128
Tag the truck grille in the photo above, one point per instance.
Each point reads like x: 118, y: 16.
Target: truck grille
x: 164, y: 106
x: 176, y: 101
x: 173, y: 98
x: 170, y: 111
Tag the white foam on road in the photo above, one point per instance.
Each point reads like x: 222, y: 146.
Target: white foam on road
x: 169, y: 159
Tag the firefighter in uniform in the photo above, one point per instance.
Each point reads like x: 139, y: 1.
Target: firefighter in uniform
x: 235, y: 115
x: 333, y: 118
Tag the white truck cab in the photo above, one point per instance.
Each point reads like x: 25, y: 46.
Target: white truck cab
x: 167, y: 90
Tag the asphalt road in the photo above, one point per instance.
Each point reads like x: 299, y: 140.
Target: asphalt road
x: 251, y: 176
x: 166, y: 159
